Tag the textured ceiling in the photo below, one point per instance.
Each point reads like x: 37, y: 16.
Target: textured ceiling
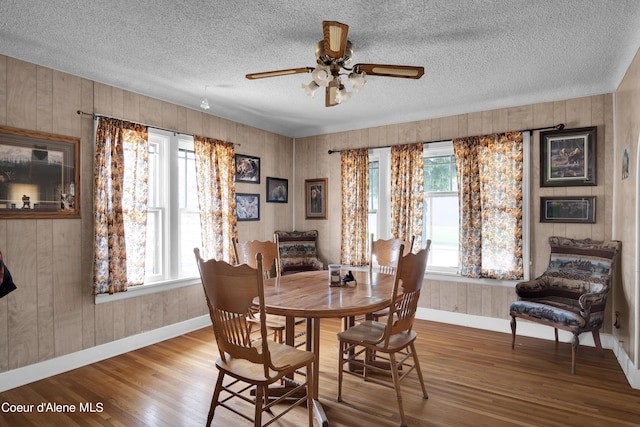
x: 477, y: 55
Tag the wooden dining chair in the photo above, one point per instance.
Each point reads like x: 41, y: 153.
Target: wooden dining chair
x: 385, y: 253
x: 231, y: 292
x: 391, y: 341
x: 246, y: 254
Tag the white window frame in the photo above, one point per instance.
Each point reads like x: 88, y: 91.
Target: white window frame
x: 450, y: 275
x: 168, y: 144
x: 437, y: 149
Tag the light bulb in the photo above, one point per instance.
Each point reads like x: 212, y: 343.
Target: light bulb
x: 322, y: 75
x: 357, y: 81
x: 311, y: 88
x: 205, y: 104
x: 342, y: 95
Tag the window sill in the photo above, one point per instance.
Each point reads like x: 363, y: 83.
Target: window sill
x: 151, y: 288
x: 452, y: 277
x: 444, y: 276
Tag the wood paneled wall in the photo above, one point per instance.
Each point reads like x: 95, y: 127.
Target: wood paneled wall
x: 52, y: 313
x: 626, y: 202
x: 313, y: 161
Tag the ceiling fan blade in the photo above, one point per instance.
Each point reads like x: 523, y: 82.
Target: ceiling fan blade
x: 330, y: 95
x: 404, y: 71
x: 277, y: 73
x: 335, y: 38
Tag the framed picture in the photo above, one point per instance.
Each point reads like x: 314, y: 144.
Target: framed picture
x: 277, y: 190
x: 568, y: 157
x: 247, y: 207
x: 625, y: 162
x: 39, y: 175
x: 568, y: 209
x: 247, y: 169
x: 315, y: 198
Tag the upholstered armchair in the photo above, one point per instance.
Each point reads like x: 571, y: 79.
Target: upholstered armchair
x: 298, y: 251
x: 572, y: 293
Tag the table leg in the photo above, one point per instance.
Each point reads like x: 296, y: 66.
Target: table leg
x: 315, y: 347
x: 289, y: 330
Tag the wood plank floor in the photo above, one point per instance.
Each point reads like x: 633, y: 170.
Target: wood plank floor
x: 473, y: 378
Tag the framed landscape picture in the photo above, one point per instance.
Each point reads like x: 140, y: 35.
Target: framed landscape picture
x: 315, y: 199
x: 247, y: 207
x: 39, y: 175
x: 247, y: 169
x: 568, y: 157
x: 277, y: 190
x: 568, y: 209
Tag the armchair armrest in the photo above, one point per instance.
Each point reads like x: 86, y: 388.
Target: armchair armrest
x: 533, y: 288
x: 593, y: 301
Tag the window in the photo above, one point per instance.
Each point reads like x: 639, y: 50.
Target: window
x: 441, y: 207
x: 374, y: 184
x: 173, y: 219
x: 440, y: 217
x: 379, y: 191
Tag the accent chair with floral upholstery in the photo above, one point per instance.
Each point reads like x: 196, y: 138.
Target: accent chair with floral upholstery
x: 298, y: 251
x: 572, y: 293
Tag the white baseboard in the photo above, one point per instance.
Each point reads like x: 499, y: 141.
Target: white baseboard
x: 632, y: 374
x: 533, y: 330
x: 37, y: 371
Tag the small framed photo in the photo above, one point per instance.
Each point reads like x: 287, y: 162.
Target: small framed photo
x: 247, y: 169
x: 248, y: 207
x: 39, y: 175
x: 277, y: 190
x: 568, y: 209
x: 315, y: 199
x: 568, y: 157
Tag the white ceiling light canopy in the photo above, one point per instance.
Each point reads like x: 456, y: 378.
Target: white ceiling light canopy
x: 333, y: 54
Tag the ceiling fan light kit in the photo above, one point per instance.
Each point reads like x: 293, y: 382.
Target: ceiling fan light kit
x: 333, y: 54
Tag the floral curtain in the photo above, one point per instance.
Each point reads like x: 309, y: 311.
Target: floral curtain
x: 120, y: 205
x: 407, y: 191
x: 490, y: 171
x: 215, y: 171
x: 355, y: 202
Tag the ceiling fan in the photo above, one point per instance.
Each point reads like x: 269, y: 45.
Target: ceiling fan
x: 333, y: 54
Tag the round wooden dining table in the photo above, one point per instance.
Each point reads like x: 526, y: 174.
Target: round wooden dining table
x: 308, y: 295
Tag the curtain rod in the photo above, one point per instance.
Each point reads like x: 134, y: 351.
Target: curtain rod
x: 96, y: 115
x: 559, y: 126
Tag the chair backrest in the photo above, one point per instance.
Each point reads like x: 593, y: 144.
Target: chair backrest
x: 230, y: 293
x: 581, y: 266
x: 298, y: 251
x: 246, y: 254
x: 385, y: 253
x: 406, y: 291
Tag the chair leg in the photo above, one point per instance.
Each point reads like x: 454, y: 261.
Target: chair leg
x: 396, y: 384
x: 596, y: 340
x: 258, y: 415
x: 416, y: 363
x: 216, y: 397
x: 513, y: 332
x: 575, y: 342
x: 341, y: 351
x: 555, y: 331
x: 310, y: 385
